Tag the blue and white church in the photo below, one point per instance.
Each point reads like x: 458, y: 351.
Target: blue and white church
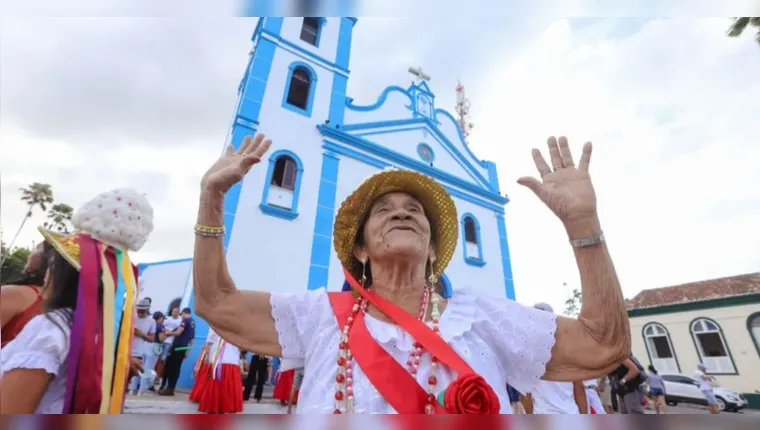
x: 279, y: 219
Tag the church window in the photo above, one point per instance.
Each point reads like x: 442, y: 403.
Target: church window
x: 298, y: 95
x: 310, y: 30
x: 284, y: 173
x: 473, y: 248
x: 283, y: 185
x: 299, y: 89
x: 469, y: 231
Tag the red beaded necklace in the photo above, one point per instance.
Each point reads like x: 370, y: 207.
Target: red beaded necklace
x: 344, y: 392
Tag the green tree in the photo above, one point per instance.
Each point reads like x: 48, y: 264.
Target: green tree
x: 59, y: 217
x: 13, y: 262
x: 741, y: 23
x: 35, y: 195
x: 573, y: 303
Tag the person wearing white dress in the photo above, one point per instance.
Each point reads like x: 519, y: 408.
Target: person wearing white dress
x: 223, y: 392
x: 595, y: 404
x: 552, y: 397
x: 76, y: 357
x: 392, y: 344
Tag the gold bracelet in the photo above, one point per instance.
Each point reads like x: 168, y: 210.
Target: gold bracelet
x: 209, y: 231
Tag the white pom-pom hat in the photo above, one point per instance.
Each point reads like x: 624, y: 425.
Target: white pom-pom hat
x: 121, y: 218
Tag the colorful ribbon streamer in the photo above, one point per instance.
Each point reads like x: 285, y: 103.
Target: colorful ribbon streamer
x: 121, y: 368
x: 109, y: 334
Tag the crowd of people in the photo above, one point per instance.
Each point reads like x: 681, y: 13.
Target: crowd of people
x: 629, y: 389
x: 76, y: 338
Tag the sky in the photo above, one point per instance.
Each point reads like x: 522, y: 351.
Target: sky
x: 671, y: 105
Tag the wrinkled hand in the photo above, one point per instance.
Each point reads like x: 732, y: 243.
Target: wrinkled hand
x: 564, y: 188
x: 233, y: 166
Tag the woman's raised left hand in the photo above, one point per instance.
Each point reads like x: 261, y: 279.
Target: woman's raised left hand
x: 564, y: 187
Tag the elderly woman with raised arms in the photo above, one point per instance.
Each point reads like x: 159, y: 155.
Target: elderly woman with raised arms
x: 392, y: 344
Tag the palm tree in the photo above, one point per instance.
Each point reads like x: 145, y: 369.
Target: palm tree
x: 34, y: 195
x: 59, y: 215
x: 741, y: 23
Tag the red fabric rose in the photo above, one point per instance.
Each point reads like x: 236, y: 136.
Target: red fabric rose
x: 470, y: 394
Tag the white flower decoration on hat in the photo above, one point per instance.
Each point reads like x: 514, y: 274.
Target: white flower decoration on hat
x: 122, y: 218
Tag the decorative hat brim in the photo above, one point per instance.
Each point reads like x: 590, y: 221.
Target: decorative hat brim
x: 65, y: 244
x: 439, y: 208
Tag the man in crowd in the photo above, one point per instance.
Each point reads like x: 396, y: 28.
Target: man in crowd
x: 706, y: 387
x: 627, y: 380
x: 142, y: 345
x: 170, y: 324
x: 257, y: 377
x: 181, y: 346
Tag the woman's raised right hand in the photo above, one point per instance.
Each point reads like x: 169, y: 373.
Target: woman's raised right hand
x: 233, y: 166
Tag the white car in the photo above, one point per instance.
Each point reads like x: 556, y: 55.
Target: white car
x: 680, y: 388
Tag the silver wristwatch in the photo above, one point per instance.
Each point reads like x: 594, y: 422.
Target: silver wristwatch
x: 589, y: 241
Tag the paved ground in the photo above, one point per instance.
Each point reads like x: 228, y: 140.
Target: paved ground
x: 179, y: 404
x: 689, y: 409
x: 152, y: 404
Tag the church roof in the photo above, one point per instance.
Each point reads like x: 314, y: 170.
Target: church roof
x: 711, y: 289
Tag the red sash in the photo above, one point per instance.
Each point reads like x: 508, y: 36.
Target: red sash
x: 397, y: 386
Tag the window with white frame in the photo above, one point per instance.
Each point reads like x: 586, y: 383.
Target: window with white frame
x: 711, y: 346
x: 660, y: 348
x: 283, y: 182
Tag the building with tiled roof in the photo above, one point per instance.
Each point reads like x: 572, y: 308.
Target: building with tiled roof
x: 715, y: 322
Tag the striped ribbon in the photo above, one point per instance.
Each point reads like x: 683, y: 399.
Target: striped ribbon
x: 109, y: 343
x: 199, y: 363
x: 121, y: 368
x: 217, y: 366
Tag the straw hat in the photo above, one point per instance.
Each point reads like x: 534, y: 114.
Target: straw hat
x: 439, y: 207
x: 121, y: 218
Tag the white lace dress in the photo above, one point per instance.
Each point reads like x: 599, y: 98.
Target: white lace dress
x: 41, y: 345
x: 503, y: 341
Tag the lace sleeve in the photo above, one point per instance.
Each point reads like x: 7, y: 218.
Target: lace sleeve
x: 295, y: 316
x: 41, y: 345
x: 522, y: 338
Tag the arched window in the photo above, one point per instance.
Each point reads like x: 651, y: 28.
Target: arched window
x: 660, y: 348
x: 283, y: 185
x: 711, y: 346
x: 473, y: 248
x: 173, y: 304
x: 299, y: 89
x: 298, y: 93
x: 311, y: 29
x: 753, y: 325
x: 284, y: 175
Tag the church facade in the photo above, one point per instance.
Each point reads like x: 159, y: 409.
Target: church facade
x: 279, y: 219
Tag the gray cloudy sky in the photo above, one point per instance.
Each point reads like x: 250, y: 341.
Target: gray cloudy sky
x: 90, y: 104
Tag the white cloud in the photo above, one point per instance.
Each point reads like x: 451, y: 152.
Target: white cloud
x: 670, y: 104
x: 672, y: 110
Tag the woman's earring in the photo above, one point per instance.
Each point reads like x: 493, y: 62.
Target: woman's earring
x: 364, y: 273
x: 432, y: 279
